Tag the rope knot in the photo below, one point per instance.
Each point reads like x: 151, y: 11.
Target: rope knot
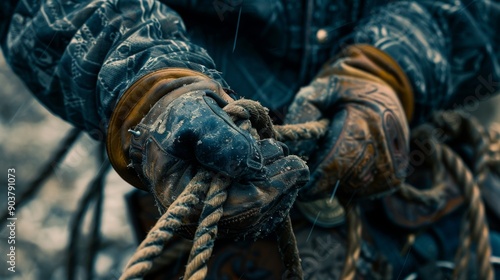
x: 248, y: 115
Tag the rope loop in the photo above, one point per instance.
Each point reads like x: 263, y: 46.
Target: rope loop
x: 249, y: 115
x: 458, y: 127
x: 254, y: 117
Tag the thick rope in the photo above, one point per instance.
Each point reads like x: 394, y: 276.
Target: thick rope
x: 474, y: 228
x: 252, y: 116
x: 474, y: 225
x: 308, y: 130
x: 173, y: 252
x: 207, y: 229
x: 467, y: 128
x: 245, y: 109
x: 151, y: 248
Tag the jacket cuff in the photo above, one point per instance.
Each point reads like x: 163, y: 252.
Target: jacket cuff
x: 136, y: 103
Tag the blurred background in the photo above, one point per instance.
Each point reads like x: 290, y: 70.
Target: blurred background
x: 29, y: 135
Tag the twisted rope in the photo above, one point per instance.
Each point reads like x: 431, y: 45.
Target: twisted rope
x: 474, y: 228
x: 207, y: 230
x: 252, y: 116
x: 308, y: 130
x: 173, y: 252
x: 152, y: 246
x: 245, y: 109
x: 474, y: 225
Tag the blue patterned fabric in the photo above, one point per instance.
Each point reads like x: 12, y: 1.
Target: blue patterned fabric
x: 78, y: 57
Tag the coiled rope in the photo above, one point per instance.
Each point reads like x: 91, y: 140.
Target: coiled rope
x: 255, y: 117
x: 474, y: 228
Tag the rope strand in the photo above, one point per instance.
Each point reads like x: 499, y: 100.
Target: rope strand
x: 207, y: 230
x: 475, y: 225
x: 474, y: 228
x: 152, y: 247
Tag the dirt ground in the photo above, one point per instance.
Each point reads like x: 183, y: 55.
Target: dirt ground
x: 28, y: 136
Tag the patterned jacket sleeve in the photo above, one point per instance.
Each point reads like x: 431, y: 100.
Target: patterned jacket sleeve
x: 78, y: 57
x: 450, y: 50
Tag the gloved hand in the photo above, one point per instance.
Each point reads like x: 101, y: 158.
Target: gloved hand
x: 366, y: 147
x: 187, y: 130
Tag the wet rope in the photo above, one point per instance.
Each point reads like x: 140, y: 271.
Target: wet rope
x: 254, y: 116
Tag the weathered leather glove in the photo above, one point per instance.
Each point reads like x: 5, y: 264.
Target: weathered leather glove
x: 366, y: 147
x: 193, y: 129
x: 186, y: 130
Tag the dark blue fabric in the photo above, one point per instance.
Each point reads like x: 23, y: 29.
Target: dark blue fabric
x: 78, y: 57
x: 437, y: 243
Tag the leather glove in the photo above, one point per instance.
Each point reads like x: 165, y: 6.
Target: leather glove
x: 187, y: 129
x: 366, y: 147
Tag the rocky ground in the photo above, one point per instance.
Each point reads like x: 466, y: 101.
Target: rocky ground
x: 29, y: 134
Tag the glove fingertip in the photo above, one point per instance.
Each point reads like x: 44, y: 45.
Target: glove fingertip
x: 291, y: 171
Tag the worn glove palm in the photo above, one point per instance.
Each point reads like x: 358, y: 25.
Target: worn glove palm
x: 187, y: 130
x: 366, y: 147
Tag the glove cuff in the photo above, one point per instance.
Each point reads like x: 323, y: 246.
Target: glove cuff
x: 370, y: 63
x: 137, y: 101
